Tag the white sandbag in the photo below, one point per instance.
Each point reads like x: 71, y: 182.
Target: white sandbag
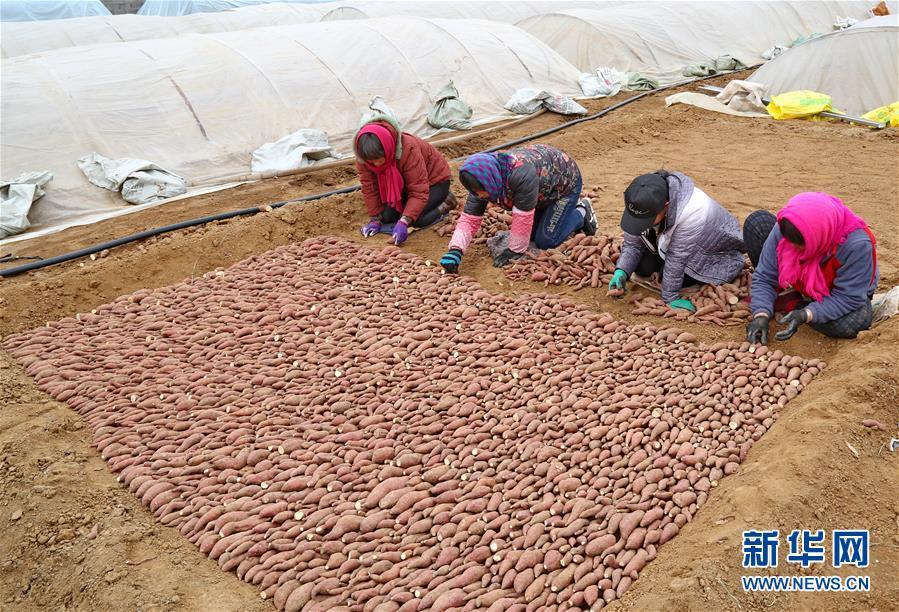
x: 528, y: 100
x: 139, y: 180
x: 301, y: 149
x: 450, y: 111
x: 605, y: 81
x: 885, y: 305
x: 744, y: 96
x: 16, y: 197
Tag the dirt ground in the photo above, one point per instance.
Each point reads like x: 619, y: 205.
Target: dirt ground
x: 71, y: 538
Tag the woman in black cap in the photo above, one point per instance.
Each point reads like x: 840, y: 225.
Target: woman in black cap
x: 674, y: 228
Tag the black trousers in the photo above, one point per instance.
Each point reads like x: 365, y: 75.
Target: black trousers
x: 756, y: 228
x: 436, y: 196
x: 651, y: 262
x: 849, y: 324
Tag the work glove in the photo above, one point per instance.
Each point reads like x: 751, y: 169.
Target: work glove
x: 757, y: 329
x: 400, y: 232
x: 451, y: 260
x: 371, y: 228
x: 793, y: 321
x: 505, y: 257
x: 683, y: 303
x: 618, y: 282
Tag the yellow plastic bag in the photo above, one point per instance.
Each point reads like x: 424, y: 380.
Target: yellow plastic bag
x: 798, y: 104
x: 885, y: 114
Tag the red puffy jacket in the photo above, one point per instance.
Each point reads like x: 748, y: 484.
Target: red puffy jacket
x: 421, y: 166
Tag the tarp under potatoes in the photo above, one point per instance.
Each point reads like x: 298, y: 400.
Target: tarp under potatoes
x: 174, y: 8
x: 202, y: 118
x: 38, y: 10
x: 37, y: 36
x: 857, y: 67
x: 658, y: 39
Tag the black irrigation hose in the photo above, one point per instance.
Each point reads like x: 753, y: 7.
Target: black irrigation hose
x: 51, y: 261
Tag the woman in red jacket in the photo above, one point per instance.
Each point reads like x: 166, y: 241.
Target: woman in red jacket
x: 405, y: 180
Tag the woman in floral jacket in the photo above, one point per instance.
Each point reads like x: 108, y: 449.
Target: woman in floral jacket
x: 539, y: 184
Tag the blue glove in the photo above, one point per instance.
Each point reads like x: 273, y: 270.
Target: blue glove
x: 400, y: 232
x: 371, y: 228
x: 792, y: 321
x: 683, y: 303
x: 451, y: 260
x: 619, y: 280
x: 505, y: 257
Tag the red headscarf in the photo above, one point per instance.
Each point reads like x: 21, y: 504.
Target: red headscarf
x: 824, y: 222
x: 390, y: 180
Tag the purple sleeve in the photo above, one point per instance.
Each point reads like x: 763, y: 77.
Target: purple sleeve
x: 765, y: 284
x: 852, y: 284
x: 631, y: 251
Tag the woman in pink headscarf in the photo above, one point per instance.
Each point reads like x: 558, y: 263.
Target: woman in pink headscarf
x: 405, y: 180
x: 825, y: 253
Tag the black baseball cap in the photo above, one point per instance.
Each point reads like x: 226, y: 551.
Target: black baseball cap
x: 644, y: 198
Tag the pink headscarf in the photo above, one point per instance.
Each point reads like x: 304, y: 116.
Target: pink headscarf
x: 390, y: 180
x: 824, y: 222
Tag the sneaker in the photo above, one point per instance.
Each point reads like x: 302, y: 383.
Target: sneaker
x: 590, y: 222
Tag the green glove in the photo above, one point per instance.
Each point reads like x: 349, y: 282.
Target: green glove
x: 684, y: 303
x: 619, y: 279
